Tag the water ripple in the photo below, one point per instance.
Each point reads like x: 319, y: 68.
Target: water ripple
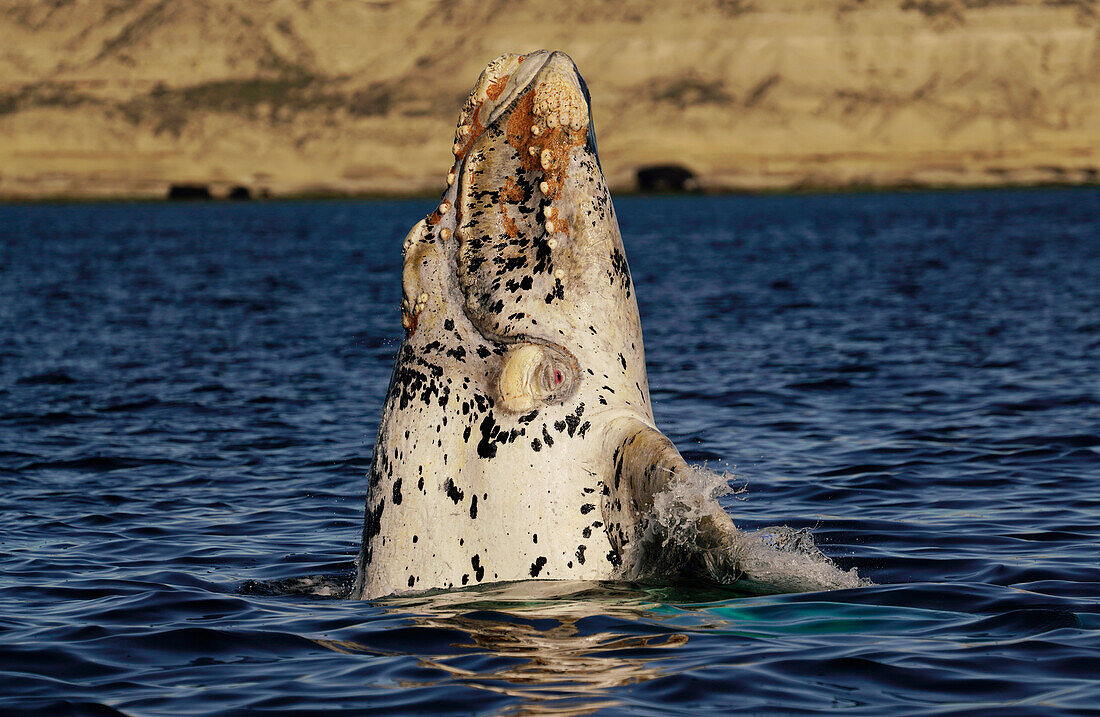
x: 188, y: 397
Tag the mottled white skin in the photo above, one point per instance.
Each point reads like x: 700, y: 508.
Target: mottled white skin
x: 486, y: 470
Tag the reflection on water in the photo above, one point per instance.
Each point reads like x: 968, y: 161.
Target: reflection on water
x: 560, y: 647
x: 564, y: 644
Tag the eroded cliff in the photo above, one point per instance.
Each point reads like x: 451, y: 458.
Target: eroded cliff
x: 123, y: 97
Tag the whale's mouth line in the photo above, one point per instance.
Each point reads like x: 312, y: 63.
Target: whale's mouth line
x: 529, y: 69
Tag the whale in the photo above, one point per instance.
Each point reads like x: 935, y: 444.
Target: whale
x: 517, y: 438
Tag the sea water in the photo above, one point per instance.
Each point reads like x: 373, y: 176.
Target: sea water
x: 903, y: 385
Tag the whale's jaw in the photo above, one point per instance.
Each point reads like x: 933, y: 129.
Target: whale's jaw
x: 526, y: 217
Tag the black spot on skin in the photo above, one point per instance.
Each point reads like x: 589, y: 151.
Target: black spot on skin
x: 483, y: 352
x: 572, y: 422
x: 536, y: 445
x: 536, y: 567
x: 614, y: 558
x: 473, y: 507
x: 415, y: 538
x: 620, y: 269
x: 535, y: 538
x: 587, y: 532
x: 479, y: 572
x: 485, y: 447
x: 617, y: 459
x: 587, y: 508
x: 372, y: 526
x: 449, y: 324
x: 452, y: 492
x: 580, y: 554
x: 465, y: 578
x: 420, y: 483
x: 411, y: 580
x: 546, y: 437
x: 397, y: 492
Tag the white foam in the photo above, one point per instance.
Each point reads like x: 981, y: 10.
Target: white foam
x: 689, y: 535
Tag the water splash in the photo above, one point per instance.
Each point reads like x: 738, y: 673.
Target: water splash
x: 689, y: 536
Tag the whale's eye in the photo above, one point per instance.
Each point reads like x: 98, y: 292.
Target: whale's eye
x: 554, y: 374
x: 535, y: 374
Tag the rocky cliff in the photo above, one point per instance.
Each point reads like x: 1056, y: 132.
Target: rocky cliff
x: 124, y: 97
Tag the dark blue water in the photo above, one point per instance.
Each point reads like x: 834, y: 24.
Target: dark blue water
x: 188, y: 396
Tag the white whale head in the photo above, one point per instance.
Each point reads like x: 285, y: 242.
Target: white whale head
x: 517, y: 438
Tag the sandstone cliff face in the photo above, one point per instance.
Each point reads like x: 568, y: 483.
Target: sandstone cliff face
x: 123, y: 97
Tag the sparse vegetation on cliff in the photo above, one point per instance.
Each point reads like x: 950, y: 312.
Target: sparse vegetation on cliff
x: 125, y: 97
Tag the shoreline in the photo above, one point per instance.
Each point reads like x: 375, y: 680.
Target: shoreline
x: 336, y: 196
